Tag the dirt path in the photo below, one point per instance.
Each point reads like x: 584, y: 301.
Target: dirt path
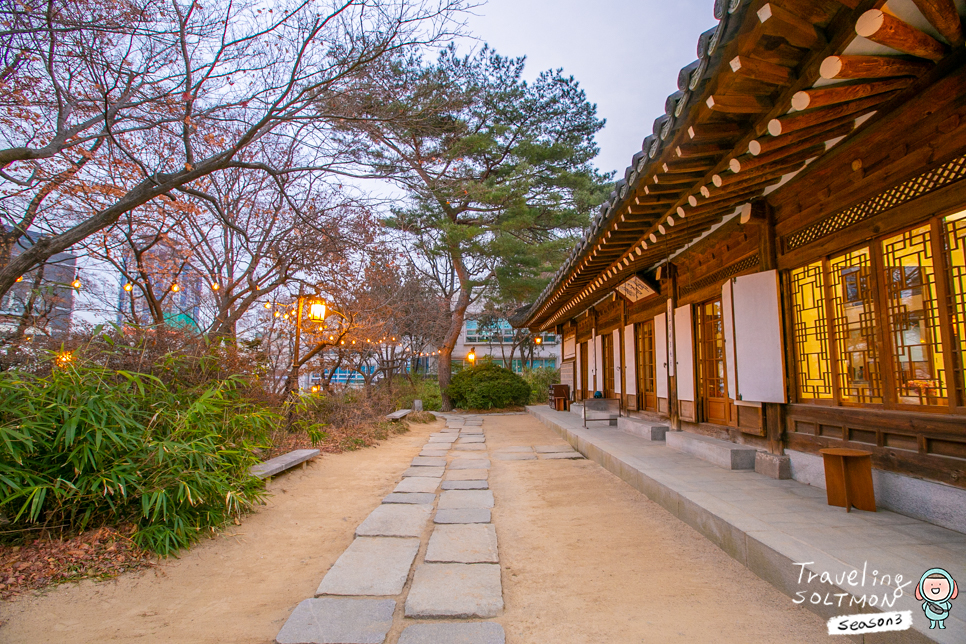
x: 585, y: 558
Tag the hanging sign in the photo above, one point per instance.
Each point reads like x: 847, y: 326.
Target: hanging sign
x: 635, y: 289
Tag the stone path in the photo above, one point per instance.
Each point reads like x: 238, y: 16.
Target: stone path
x: 402, y: 567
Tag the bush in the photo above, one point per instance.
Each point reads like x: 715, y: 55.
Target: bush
x: 425, y: 389
x: 488, y: 386
x: 540, y: 380
x: 82, y: 445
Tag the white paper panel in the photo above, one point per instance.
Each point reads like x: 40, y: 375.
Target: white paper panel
x: 618, y: 360
x: 569, y: 347
x: 630, y: 360
x: 660, y: 354
x: 577, y: 382
x: 567, y: 374
x: 684, y: 352
x: 758, y: 338
x: 598, y: 362
x: 727, y: 313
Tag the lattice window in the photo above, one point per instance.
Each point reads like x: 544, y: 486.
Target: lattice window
x: 955, y: 243
x: 920, y: 370
x: 721, y: 275
x: 810, y: 321
x: 854, y: 323
x: 645, y: 357
x: 937, y: 178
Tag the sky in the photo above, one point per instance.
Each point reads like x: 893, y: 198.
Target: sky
x: 626, y: 55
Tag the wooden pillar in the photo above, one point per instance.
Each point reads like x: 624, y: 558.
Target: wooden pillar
x: 669, y: 277
x: 623, y: 356
x: 773, y: 414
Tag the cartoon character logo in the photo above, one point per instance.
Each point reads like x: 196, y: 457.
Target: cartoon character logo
x: 936, y: 590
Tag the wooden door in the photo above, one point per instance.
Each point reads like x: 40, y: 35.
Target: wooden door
x: 583, y: 371
x: 646, y: 371
x: 607, y: 347
x: 712, y: 383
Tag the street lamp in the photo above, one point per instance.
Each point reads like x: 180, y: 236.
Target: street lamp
x: 471, y: 356
x: 538, y: 340
x: 317, y: 310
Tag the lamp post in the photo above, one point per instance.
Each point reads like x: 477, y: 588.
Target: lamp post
x: 317, y: 310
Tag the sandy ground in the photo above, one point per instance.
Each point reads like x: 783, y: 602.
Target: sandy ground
x: 585, y: 558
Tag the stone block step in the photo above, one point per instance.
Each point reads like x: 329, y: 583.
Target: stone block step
x: 329, y: 619
x: 726, y: 454
x: 371, y: 566
x: 464, y: 633
x: 455, y: 590
x: 644, y: 429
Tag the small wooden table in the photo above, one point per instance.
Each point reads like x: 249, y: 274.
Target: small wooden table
x: 848, y: 478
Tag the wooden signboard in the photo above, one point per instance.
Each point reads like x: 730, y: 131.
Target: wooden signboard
x: 635, y: 289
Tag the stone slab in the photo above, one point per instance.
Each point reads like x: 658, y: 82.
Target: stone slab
x: 330, y: 620
x: 455, y: 590
x: 418, y: 484
x: 470, y: 447
x: 463, y: 543
x: 371, y: 566
x: 396, y: 520
x: 410, y: 497
x: 434, y: 453
x: 556, y: 456
x: 466, y: 475
x: 469, y: 464
x: 450, y: 430
x: 465, y: 499
x: 726, y: 454
x: 466, y: 485
x: 281, y: 463
x: 523, y: 449
x: 448, y: 438
x: 472, y: 431
x: 550, y: 449
x: 462, y: 633
x: 438, y: 434
x: 515, y: 456
x: 644, y: 429
x: 472, y: 438
x: 434, y: 472
x: 424, y: 461
x: 773, y: 465
x: 462, y: 516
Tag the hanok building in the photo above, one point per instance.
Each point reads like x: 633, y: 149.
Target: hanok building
x: 784, y: 263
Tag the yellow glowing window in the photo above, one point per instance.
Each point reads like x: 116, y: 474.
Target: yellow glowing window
x: 811, y: 332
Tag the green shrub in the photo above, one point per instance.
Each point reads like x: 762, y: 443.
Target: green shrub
x: 83, y: 445
x: 488, y: 386
x: 540, y: 380
x: 425, y: 389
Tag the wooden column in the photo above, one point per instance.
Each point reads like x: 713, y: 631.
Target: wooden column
x: 669, y: 277
x: 773, y: 414
x: 623, y: 357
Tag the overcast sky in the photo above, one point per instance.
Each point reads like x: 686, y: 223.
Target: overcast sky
x: 625, y: 54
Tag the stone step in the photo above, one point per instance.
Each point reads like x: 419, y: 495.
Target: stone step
x: 639, y: 427
x: 726, y: 454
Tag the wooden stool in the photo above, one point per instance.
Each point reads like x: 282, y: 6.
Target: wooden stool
x: 848, y: 478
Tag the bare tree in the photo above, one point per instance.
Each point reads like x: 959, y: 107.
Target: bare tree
x: 110, y: 105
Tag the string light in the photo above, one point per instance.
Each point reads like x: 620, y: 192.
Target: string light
x: 175, y: 288
x: 129, y: 287
x: 214, y: 286
x: 20, y: 279
x: 76, y: 284
x: 268, y: 306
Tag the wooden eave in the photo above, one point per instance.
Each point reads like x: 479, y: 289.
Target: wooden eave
x: 732, y: 133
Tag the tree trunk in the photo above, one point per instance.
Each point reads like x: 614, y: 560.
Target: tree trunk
x: 445, y: 374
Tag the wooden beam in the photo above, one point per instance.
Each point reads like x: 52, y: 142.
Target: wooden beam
x: 800, y: 120
x: 815, y: 134
x: 754, y: 212
x: 686, y: 166
x: 782, y: 23
x: 725, y: 179
x: 699, y: 150
x: 677, y: 179
x: 762, y: 71
x: 739, y: 104
x: 942, y: 15
x: 886, y: 29
x: 790, y: 154
x: 822, y: 96
x: 709, y: 132
x: 852, y: 67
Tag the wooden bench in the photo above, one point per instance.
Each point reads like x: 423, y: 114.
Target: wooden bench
x: 399, y: 414
x: 281, y: 463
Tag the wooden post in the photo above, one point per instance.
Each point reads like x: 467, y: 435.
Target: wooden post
x: 623, y: 355
x: 671, y: 288
x: 773, y: 414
